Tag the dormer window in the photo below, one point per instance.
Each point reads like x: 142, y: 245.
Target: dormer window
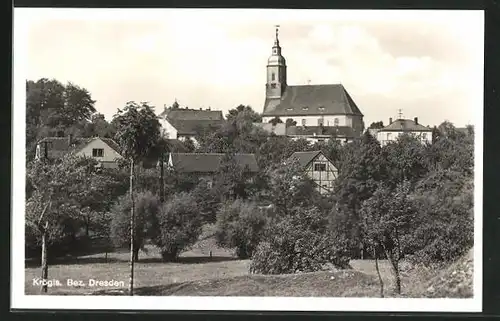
x: 289, y: 109
x: 305, y: 108
x: 321, y: 108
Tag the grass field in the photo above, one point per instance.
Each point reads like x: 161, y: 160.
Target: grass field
x: 197, y: 273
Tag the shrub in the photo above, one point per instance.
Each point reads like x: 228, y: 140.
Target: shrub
x: 240, y: 225
x: 445, y: 230
x: 146, y: 209
x: 179, y: 223
x: 300, y: 242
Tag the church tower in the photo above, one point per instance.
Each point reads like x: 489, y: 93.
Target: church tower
x: 276, y: 72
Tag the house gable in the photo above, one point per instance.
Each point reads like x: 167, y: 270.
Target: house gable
x: 318, y: 168
x: 109, y: 152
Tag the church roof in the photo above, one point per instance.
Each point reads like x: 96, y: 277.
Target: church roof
x: 405, y: 125
x: 339, y: 131
x: 209, y: 162
x: 308, y: 100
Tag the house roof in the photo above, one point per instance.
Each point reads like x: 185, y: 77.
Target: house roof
x: 312, y: 100
x: 304, y: 158
x: 192, y: 114
x: 405, y: 125
x: 279, y: 130
x: 339, y: 131
x: 59, y: 146
x: 189, y: 126
x: 209, y: 162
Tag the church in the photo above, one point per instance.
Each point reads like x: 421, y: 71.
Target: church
x: 315, y: 107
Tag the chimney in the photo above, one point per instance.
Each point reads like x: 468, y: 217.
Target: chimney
x: 201, y: 108
x: 390, y: 120
x: 416, y: 120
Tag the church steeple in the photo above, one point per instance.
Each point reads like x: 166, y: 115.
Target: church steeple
x: 276, y: 71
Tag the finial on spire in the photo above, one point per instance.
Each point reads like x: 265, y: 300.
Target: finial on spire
x: 400, y: 113
x: 277, y: 32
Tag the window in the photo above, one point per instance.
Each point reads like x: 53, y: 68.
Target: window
x: 336, y: 122
x: 305, y: 108
x: 320, y: 121
x: 303, y: 122
x: 273, y: 77
x: 319, y: 167
x: 97, y: 152
x: 320, y: 140
x: 209, y: 184
x: 273, y: 85
x: 388, y: 136
x: 424, y: 136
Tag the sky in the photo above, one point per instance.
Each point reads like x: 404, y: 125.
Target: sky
x: 429, y: 64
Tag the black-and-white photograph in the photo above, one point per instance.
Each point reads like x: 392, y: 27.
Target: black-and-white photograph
x: 223, y: 159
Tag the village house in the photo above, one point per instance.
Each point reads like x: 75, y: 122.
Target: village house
x: 396, y: 128
x: 186, y: 123
x: 328, y: 105
x: 318, y: 168
x: 104, y: 150
x: 207, y: 165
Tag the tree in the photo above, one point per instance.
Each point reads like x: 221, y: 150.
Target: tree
x: 146, y: 208
x: 240, y: 225
x: 299, y: 242
x: 387, y: 219
x: 290, y: 122
x: 179, y: 225
x: 54, y: 199
x: 276, y: 120
x: 243, y: 111
x: 289, y: 187
x: 232, y: 180
x: 445, y: 227
x: 405, y: 159
x: 138, y: 131
x: 376, y: 125
x: 54, y: 109
x: 361, y: 169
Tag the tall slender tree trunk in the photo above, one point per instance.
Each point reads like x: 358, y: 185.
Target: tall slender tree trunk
x: 378, y: 272
x: 132, y: 229
x: 162, y: 180
x: 395, y: 269
x: 45, y: 266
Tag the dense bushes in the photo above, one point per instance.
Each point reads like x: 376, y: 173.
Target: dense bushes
x: 146, y: 207
x: 179, y: 225
x: 299, y: 242
x: 240, y: 225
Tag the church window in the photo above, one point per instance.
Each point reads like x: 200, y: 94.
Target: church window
x: 303, y: 122
x: 273, y: 77
x: 336, y: 122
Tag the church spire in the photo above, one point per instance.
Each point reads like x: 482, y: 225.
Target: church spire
x: 277, y: 41
x: 276, y: 70
x: 276, y: 47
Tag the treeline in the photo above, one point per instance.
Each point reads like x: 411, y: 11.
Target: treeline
x: 404, y: 200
